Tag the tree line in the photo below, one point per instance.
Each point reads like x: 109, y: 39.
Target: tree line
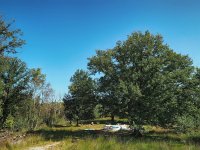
x: 141, y: 79
x: 26, y: 99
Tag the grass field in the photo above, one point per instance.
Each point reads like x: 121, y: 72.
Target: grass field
x: 76, y: 138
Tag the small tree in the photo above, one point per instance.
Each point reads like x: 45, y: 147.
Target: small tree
x: 36, y: 84
x: 9, y: 123
x: 80, y: 102
x: 69, y: 108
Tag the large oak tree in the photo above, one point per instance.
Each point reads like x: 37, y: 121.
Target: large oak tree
x: 145, y: 80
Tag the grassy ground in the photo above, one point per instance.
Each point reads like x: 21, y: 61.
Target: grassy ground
x: 76, y: 138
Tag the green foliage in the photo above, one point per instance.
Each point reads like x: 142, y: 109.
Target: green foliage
x: 9, y: 38
x: 98, y: 111
x: 23, y: 91
x: 69, y: 108
x: 14, y: 76
x: 188, y: 123
x: 15, y: 79
x: 9, y: 122
x: 146, y: 81
x: 49, y: 113
x: 42, y: 110
x: 80, y: 103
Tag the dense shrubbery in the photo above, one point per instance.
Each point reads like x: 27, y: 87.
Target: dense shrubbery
x: 188, y: 123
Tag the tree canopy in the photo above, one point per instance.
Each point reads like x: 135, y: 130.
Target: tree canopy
x: 9, y: 37
x: 145, y: 80
x: 80, y: 102
x: 15, y: 79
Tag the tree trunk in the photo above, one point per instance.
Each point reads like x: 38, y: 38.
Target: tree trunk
x: 1, y: 122
x: 77, y: 122
x: 112, y: 118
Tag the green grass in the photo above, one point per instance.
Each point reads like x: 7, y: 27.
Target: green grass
x: 30, y: 140
x: 102, y: 143
x: 76, y: 138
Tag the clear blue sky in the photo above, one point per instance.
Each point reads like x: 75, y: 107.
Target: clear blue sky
x: 62, y: 34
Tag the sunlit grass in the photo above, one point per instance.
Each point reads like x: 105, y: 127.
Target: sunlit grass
x: 31, y: 140
x: 75, y: 138
x: 102, y: 143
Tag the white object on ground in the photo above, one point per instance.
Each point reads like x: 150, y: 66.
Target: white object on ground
x: 116, y: 127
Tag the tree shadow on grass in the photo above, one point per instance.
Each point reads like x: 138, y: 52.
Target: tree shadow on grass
x: 101, y: 121
x: 195, y: 140
x: 61, y: 134
x: 172, y: 136
x: 57, y: 135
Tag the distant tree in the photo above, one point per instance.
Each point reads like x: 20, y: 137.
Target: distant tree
x: 81, y: 99
x: 144, y: 79
x: 69, y: 108
x: 9, y: 37
x: 48, y: 105
x: 37, y: 82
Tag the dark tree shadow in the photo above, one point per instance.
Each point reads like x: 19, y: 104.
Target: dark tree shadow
x: 100, y: 121
x: 121, y: 136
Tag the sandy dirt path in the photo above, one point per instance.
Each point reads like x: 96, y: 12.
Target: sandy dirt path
x: 45, y: 147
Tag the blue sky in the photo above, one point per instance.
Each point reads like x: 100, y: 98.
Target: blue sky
x: 62, y: 34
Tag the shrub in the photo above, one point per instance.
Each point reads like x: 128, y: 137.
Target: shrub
x: 186, y: 123
x: 9, y: 123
